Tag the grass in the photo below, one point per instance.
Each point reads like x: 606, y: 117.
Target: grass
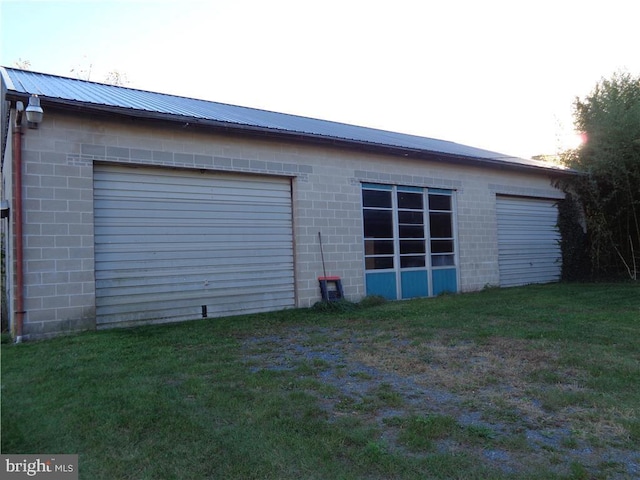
x: 532, y: 382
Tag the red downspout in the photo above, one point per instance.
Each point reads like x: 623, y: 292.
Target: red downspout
x: 17, y: 218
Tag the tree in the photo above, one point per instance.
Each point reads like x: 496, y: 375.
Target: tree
x: 116, y: 77
x: 83, y: 72
x: 22, y: 64
x: 113, y: 77
x: 609, y: 160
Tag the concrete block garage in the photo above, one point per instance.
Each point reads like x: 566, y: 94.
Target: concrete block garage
x: 134, y: 207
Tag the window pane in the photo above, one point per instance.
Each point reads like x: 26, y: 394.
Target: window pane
x: 378, y: 223
x: 412, y: 261
x: 410, y: 217
x: 412, y: 246
x: 440, y: 224
x: 378, y: 263
x: 410, y: 200
x: 376, y: 198
x: 442, y: 246
x: 442, y: 260
x: 439, y: 202
x: 411, y: 231
x: 378, y: 247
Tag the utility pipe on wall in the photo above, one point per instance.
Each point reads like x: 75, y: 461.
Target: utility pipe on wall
x: 17, y: 221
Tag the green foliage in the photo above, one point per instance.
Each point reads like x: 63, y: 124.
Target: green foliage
x: 283, y: 395
x: 609, y: 190
x: 372, y: 301
x: 334, y: 306
x: 573, y: 243
x: 633, y: 428
x: 419, y: 432
x: 343, y: 305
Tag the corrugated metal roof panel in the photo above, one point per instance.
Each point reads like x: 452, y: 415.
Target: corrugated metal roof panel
x: 91, y: 93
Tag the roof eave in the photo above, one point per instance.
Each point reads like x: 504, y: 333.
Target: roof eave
x: 238, y: 128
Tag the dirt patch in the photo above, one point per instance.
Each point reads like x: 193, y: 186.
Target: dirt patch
x: 514, y: 405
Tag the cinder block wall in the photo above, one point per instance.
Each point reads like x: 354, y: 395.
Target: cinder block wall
x: 58, y: 187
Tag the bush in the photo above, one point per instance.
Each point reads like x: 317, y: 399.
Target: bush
x: 609, y: 162
x: 334, y: 306
x: 347, y: 306
x: 573, y: 244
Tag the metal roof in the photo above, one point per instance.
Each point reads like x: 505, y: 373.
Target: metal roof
x: 123, y: 100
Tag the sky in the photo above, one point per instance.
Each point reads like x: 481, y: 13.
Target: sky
x: 494, y: 74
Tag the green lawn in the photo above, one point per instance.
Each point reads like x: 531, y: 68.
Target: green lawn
x: 533, y: 382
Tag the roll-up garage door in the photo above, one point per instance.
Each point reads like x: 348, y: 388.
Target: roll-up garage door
x: 528, y: 241
x: 175, y: 245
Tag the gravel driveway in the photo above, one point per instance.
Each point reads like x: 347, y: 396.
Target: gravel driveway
x: 487, y: 388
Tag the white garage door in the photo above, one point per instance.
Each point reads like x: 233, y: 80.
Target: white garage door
x: 528, y: 241
x: 170, y: 243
